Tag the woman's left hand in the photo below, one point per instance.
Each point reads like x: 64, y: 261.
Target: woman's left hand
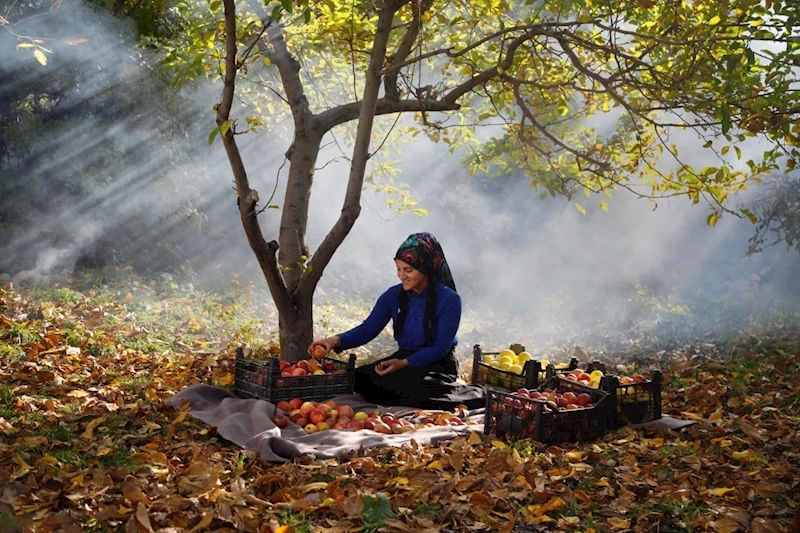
x: 390, y: 366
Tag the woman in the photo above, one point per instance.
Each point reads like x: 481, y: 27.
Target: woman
x: 425, y: 310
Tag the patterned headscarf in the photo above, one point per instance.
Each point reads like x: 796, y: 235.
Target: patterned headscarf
x: 423, y: 252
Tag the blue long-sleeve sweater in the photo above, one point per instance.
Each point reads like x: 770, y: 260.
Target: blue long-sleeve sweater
x: 446, y: 321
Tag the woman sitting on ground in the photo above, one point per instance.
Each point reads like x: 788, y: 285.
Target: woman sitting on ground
x: 425, y: 310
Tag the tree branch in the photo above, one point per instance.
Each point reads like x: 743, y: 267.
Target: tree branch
x: 247, y: 198
x: 384, y: 106
x: 419, y: 8
x: 367, y: 110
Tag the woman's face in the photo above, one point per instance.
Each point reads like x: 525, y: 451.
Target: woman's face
x: 411, y: 278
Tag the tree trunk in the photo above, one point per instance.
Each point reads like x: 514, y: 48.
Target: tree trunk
x: 297, y: 329
x: 294, y: 220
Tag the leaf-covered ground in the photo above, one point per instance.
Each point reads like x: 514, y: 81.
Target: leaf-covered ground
x: 86, y: 442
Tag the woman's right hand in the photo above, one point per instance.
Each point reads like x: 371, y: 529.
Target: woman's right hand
x: 327, y: 344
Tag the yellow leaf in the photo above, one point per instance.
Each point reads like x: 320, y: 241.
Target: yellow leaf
x: 151, y: 395
x: 721, y: 491
x: 474, y: 438
x: 40, y: 57
x: 741, y: 455
x: 89, y: 432
x: 574, y: 456
x: 580, y: 209
x: 619, y: 523
x: 103, y: 452
x: 204, y: 522
x: 714, y: 20
x: 317, y: 485
x: 499, y: 444
x: 435, y: 465
x: 227, y: 379
x: 603, y: 205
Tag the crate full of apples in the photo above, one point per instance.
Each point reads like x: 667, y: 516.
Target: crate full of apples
x: 636, y: 399
x: 315, y: 416
x: 560, y: 410
x: 512, y: 368
x: 311, y: 379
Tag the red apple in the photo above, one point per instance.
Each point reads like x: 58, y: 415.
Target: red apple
x: 304, y: 366
x: 295, y: 403
x: 317, y: 415
x: 339, y: 425
x: 280, y: 420
x: 388, y: 418
x: 638, y: 378
x: 299, y: 372
x: 583, y: 399
x: 284, y: 406
x: 319, y: 352
x: 345, y: 410
x: 295, y: 415
x: 369, y: 423
x: 332, y: 404
x: 306, y: 408
x: 355, y: 425
x: 302, y: 422
x: 284, y: 365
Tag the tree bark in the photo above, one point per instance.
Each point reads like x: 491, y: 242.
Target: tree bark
x: 296, y: 329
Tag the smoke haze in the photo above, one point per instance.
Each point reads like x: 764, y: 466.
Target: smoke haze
x: 527, y: 269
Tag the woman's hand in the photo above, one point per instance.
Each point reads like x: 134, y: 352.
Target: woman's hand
x: 326, y: 344
x: 390, y: 366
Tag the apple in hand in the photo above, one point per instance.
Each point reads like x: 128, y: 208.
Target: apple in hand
x: 319, y: 352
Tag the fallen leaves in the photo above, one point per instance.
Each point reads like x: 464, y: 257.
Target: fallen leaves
x: 89, y: 443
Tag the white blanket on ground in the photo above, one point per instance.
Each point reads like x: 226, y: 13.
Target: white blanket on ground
x: 248, y: 423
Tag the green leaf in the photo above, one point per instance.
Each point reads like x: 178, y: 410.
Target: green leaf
x: 749, y: 214
x: 212, y: 136
x: 738, y: 152
x: 376, y: 510
x: 712, y: 219
x: 580, y: 209
x: 725, y: 112
x: 215, y: 5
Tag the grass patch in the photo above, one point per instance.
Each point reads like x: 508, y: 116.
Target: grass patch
x: 19, y: 334
x: 51, y: 294
x: 122, y: 457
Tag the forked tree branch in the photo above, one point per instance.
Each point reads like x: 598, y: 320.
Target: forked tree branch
x: 248, y: 198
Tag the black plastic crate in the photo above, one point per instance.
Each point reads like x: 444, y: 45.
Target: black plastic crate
x: 512, y: 417
x: 264, y: 380
x: 532, y: 371
x: 634, y: 403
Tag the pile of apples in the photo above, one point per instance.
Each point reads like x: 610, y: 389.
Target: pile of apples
x: 308, y: 367
x: 552, y: 400
x: 316, y: 416
x: 591, y: 379
x: 636, y: 379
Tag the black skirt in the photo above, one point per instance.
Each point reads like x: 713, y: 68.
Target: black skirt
x: 427, y: 387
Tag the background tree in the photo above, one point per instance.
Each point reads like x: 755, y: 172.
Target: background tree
x: 584, y: 96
